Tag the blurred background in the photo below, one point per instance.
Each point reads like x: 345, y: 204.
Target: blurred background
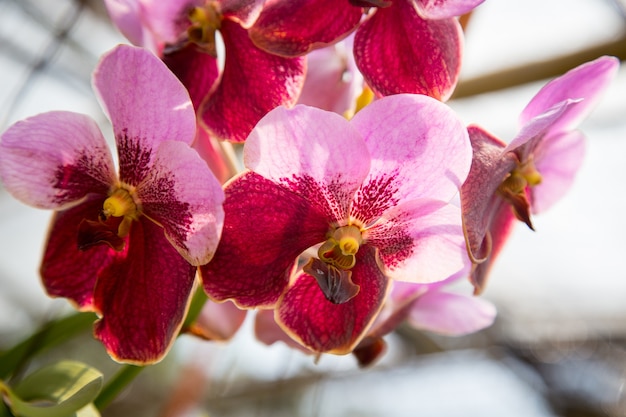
x: 558, y: 346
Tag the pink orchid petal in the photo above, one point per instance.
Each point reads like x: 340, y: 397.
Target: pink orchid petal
x: 441, y: 9
x: 244, y: 12
x: 269, y: 332
x: 419, y: 149
x: 55, y: 159
x: 143, y: 297
x: 266, y: 227
x: 558, y: 158
x: 293, y: 28
x: 128, y: 17
x: 308, y: 317
x: 420, y: 241
x: 533, y: 132
x: 252, y: 84
x: 65, y: 270
x: 500, y: 226
x: 479, y: 198
x: 219, y: 321
x: 332, y: 81
x: 587, y: 81
x: 400, y: 301
x: 399, y: 52
x: 312, y: 152
x: 181, y: 193
x: 451, y: 314
x: 166, y: 20
x: 197, y: 70
x: 146, y: 106
x: 404, y: 292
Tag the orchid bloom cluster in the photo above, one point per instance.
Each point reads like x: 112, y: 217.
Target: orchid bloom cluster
x: 338, y: 228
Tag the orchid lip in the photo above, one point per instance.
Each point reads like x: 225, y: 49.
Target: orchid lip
x: 341, y: 247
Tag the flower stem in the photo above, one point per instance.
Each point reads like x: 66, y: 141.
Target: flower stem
x: 195, y: 307
x: 119, y: 381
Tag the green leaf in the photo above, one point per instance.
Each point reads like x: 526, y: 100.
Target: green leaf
x: 50, y: 335
x: 58, y: 390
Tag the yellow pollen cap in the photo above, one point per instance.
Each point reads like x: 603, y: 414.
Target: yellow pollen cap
x: 119, y: 204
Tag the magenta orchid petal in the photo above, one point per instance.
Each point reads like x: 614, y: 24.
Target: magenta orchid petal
x: 400, y: 52
x: 498, y: 231
x: 66, y: 271
x: 420, y: 241
x: 181, y: 194
x: 219, y: 321
x: 55, y: 159
x: 253, y: 83
x: 211, y: 150
x: 479, y: 199
x: 298, y: 148
x: 244, y: 12
x: 558, y: 158
x: 451, y: 314
x: 291, y: 28
x: 587, y: 81
x: 266, y: 227
x: 142, y: 316
x: 146, y: 107
x: 441, y: 9
x: 419, y: 148
x: 335, y: 328
x: 197, y: 70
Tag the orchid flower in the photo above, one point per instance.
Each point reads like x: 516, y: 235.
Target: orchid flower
x: 370, y: 195
x: 535, y: 170
x: 125, y: 247
x: 403, y: 46
x: 229, y: 100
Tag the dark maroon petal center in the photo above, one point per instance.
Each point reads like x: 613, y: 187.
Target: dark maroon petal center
x: 371, y: 3
x: 335, y: 283
x: 98, y: 232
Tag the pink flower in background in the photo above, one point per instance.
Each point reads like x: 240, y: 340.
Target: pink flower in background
x: 402, y: 46
x: 436, y: 308
x: 230, y: 98
x: 333, y: 82
x: 372, y: 192
x: 125, y: 247
x: 536, y: 169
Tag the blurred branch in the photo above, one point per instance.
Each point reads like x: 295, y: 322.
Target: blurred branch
x: 538, y: 70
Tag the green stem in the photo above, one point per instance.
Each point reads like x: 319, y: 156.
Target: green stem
x: 51, y: 334
x: 195, y: 307
x: 119, y: 381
